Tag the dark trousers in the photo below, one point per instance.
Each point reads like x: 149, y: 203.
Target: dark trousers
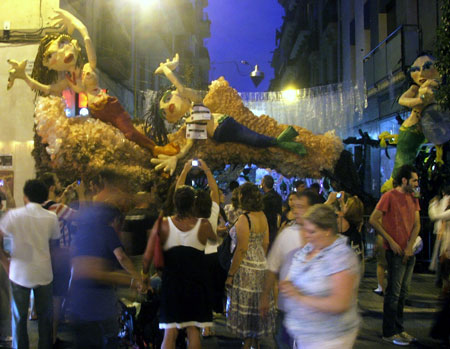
x: 96, y: 334
x: 398, y: 281
x: 44, y: 310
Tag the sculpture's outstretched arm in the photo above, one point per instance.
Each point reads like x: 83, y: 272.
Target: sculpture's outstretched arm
x: 167, y: 69
x: 169, y: 163
x: 17, y: 71
x: 66, y: 20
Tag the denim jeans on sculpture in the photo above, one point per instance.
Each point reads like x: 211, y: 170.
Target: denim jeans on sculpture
x: 44, y: 309
x: 398, y: 280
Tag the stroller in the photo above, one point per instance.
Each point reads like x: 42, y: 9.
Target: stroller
x: 138, y: 323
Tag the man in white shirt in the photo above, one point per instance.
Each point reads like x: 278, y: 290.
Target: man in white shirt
x: 287, y: 240
x: 33, y: 231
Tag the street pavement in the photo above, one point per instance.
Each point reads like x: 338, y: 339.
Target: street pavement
x: 420, y: 311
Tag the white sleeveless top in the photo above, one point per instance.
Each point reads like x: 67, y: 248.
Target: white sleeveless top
x: 183, y: 238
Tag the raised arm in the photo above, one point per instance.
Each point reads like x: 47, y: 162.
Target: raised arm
x: 66, y: 20
x: 167, y: 69
x: 17, y: 71
x: 211, y: 181
x: 182, y: 178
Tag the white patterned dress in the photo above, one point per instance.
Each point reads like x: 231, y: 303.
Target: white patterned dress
x: 243, y: 318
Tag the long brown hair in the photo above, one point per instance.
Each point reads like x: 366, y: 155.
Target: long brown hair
x: 40, y: 72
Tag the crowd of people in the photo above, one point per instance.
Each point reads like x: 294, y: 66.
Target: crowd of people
x: 290, y: 273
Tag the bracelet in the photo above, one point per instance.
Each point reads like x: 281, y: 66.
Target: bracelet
x: 230, y: 276
x: 131, y: 283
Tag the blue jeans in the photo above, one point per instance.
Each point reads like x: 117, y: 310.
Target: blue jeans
x: 44, y: 309
x: 5, y: 304
x: 398, y: 281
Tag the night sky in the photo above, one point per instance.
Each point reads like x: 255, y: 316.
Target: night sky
x: 243, y: 30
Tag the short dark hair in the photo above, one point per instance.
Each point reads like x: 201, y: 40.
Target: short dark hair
x: 312, y: 197
x: 233, y: 185
x: 48, y: 179
x: 268, y: 181
x: 36, y: 191
x: 298, y: 182
x: 315, y: 186
x: 250, y: 198
x: 203, y: 204
x: 404, y: 171
x: 184, y: 200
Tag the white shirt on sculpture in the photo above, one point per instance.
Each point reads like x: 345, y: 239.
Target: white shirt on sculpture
x: 30, y: 228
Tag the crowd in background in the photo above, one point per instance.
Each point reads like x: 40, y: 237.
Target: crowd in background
x: 288, y: 270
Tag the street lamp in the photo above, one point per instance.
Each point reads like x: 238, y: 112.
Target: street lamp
x: 256, y: 75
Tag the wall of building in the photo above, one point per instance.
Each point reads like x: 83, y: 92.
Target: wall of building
x: 16, y: 117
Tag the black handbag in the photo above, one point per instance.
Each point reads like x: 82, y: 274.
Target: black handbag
x: 224, y: 253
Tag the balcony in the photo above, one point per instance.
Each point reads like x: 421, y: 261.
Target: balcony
x: 387, y: 62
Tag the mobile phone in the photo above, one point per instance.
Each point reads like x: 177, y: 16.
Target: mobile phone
x: 2, y: 182
x: 338, y: 195
x: 194, y: 162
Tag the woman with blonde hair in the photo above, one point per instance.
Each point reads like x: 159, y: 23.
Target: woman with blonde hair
x: 322, y: 286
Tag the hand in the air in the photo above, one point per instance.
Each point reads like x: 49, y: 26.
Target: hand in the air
x: 165, y: 163
x: 17, y: 71
x: 171, y: 64
x: 64, y: 20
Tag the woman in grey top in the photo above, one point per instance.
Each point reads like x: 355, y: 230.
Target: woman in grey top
x: 322, y: 286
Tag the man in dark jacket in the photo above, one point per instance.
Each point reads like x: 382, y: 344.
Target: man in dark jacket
x: 272, y: 206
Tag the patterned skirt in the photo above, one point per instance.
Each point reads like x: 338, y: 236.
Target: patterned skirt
x: 243, y: 317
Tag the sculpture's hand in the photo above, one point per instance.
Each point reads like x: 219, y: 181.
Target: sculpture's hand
x: 171, y: 64
x: 426, y: 91
x: 64, y: 20
x: 165, y: 163
x: 17, y: 71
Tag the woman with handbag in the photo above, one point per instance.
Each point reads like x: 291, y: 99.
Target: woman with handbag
x: 184, y: 296
x: 246, y: 275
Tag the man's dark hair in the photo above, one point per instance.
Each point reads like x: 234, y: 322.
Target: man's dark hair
x: 298, y: 182
x: 233, y: 185
x: 315, y: 186
x: 268, y: 181
x: 203, y: 204
x: 184, y: 199
x: 405, y: 171
x: 48, y: 179
x: 36, y: 191
x: 312, y: 197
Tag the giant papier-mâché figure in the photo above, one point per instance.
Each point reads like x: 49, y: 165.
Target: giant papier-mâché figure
x: 59, y: 65
x: 221, y: 128
x: 420, y: 95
